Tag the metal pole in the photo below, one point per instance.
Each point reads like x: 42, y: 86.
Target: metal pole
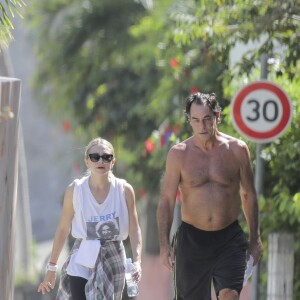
x: 259, y: 170
x: 258, y: 184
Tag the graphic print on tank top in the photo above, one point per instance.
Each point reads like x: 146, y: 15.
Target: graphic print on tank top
x: 109, y: 229
x: 106, y: 221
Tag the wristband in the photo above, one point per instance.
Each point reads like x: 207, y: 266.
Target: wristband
x: 52, y: 268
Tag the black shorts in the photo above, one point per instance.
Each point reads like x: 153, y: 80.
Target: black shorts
x: 203, y: 257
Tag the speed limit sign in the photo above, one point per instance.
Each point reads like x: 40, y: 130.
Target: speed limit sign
x: 261, y: 111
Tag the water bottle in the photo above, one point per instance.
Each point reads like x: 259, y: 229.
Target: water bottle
x: 249, y: 270
x: 132, y: 287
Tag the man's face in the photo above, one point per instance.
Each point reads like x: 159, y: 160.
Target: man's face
x: 106, y: 232
x: 203, y: 121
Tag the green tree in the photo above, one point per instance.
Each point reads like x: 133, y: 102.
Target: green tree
x: 106, y: 66
x: 86, y: 72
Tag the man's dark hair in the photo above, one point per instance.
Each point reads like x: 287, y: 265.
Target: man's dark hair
x: 209, y: 99
x: 110, y: 224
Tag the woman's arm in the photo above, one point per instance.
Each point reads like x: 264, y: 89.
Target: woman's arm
x: 62, y: 232
x: 134, y: 227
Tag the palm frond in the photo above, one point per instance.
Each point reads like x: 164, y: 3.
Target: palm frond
x: 7, y: 12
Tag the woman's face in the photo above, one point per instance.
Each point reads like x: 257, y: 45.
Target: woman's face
x: 100, y: 159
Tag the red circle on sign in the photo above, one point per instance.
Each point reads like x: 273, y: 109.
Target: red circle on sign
x: 286, y: 113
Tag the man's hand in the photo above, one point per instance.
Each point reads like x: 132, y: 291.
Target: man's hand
x: 255, y: 249
x: 167, y: 257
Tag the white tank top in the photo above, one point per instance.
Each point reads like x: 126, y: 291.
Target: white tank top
x: 92, y: 221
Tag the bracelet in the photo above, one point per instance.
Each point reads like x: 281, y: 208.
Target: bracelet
x: 52, y: 268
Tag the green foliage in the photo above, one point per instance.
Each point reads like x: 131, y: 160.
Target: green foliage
x: 107, y: 66
x: 224, y: 23
x: 7, y: 11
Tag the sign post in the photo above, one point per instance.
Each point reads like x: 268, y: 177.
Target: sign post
x: 261, y: 111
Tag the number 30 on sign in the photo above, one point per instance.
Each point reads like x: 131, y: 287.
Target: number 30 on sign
x: 261, y: 111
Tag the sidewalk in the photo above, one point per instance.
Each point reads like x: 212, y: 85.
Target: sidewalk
x: 156, y: 282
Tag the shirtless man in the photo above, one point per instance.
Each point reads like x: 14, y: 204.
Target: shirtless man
x: 214, y: 174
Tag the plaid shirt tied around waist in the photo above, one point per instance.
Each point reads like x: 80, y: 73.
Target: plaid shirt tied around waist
x: 107, y: 278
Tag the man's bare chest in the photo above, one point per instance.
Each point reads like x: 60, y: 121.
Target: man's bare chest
x: 201, y: 169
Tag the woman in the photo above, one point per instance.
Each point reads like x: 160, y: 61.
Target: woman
x: 100, y: 211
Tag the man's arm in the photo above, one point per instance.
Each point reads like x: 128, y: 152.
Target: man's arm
x: 166, y: 206
x: 250, y: 204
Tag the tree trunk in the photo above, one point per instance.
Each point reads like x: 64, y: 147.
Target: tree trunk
x: 9, y: 127
x: 23, y: 237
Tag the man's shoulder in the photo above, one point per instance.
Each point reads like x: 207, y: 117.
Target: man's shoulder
x: 178, y: 151
x: 232, y: 141
x: 181, y: 146
x: 236, y: 146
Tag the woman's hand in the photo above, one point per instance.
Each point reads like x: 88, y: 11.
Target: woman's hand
x: 137, y: 274
x: 48, y: 283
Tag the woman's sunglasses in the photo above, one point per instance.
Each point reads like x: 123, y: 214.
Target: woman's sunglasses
x: 95, y: 157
